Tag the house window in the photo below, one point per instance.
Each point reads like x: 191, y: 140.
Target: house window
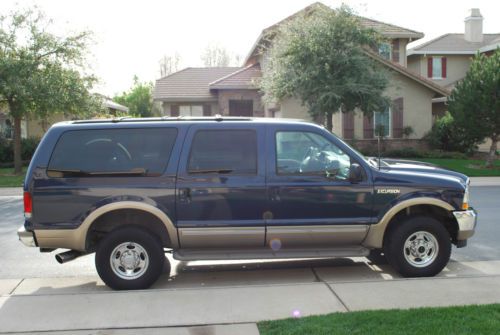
x: 385, y: 50
x: 191, y: 110
x: 436, y: 67
x: 382, y: 123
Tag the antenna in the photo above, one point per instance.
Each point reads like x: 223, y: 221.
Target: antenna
x: 378, y: 149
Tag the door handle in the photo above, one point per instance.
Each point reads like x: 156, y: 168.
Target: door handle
x: 185, y: 195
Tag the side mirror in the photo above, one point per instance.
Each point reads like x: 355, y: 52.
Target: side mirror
x: 355, y: 173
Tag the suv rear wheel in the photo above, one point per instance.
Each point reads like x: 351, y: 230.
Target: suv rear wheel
x: 129, y: 258
x: 418, y: 247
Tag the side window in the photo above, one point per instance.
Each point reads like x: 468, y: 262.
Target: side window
x: 306, y: 153
x: 223, y: 151
x: 109, y: 151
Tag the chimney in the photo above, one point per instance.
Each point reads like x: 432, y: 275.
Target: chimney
x: 474, y: 26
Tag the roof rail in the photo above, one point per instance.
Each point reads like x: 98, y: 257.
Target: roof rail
x: 127, y: 119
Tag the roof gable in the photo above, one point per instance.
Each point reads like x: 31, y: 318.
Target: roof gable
x: 241, y: 79
x: 386, y: 29
x: 441, y: 91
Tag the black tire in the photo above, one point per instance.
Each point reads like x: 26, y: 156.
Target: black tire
x: 144, y: 248
x: 431, y: 263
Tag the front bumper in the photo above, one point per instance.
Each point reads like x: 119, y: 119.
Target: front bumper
x: 26, y: 237
x: 467, y: 221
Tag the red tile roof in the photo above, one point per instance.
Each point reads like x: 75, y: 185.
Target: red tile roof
x: 190, y: 84
x: 244, y: 78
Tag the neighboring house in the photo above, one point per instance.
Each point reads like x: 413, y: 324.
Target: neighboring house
x: 198, y: 91
x: 36, y: 128
x: 446, y: 59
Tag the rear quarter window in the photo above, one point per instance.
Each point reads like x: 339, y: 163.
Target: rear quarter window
x: 112, y: 150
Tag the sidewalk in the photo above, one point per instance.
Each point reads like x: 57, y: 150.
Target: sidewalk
x: 75, y: 304
x: 485, y: 181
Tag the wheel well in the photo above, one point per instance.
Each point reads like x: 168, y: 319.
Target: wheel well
x: 120, y: 217
x: 439, y: 213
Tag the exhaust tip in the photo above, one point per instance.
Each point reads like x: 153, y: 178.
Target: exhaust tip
x: 59, y: 259
x: 67, y: 256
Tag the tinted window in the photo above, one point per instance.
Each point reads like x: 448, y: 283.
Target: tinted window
x: 113, y: 150
x: 310, y: 153
x: 224, y: 151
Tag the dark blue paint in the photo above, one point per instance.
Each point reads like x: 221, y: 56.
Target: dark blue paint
x: 233, y: 200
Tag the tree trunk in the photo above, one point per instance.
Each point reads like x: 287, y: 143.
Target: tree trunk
x: 493, y: 151
x: 18, y: 164
x: 329, y: 122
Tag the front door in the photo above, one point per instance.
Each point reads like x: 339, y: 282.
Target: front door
x: 312, y: 201
x: 221, y: 193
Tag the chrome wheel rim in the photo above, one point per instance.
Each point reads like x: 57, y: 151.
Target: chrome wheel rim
x: 421, y: 249
x: 129, y: 260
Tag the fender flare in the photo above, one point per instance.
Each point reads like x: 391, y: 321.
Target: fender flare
x: 76, y: 238
x: 376, y: 232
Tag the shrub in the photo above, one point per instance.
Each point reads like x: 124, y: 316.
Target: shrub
x: 446, y: 135
x: 28, y: 147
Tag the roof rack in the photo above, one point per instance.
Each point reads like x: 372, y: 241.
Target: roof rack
x: 127, y: 119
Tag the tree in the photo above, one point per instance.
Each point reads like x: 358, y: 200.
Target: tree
x: 321, y: 58
x: 139, y: 99
x: 215, y: 55
x: 41, y: 73
x: 475, y: 102
x: 169, y: 64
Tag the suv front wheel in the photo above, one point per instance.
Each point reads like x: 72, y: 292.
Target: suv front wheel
x: 418, y: 247
x: 129, y: 258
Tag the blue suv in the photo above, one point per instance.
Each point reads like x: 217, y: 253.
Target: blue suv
x: 131, y: 190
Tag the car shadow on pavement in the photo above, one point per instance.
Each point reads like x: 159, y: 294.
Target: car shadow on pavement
x: 202, y: 274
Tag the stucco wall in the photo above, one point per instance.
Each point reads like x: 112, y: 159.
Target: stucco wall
x: 37, y: 128
x: 226, y: 95
x: 417, y: 108
x: 456, y: 67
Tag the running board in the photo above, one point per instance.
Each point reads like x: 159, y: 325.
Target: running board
x: 261, y: 253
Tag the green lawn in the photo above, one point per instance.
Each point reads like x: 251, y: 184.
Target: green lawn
x: 8, y: 179
x: 470, y: 167
x: 449, y: 320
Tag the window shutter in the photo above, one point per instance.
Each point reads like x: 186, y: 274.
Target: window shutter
x: 174, y: 110
x: 348, y: 125
x: 207, y: 110
x: 429, y: 67
x: 443, y: 67
x: 367, y: 126
x: 395, y: 50
x: 397, y: 118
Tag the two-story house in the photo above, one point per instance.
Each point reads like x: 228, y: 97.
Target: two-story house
x: 229, y: 91
x: 446, y: 59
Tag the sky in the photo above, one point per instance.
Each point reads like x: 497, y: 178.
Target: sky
x: 130, y: 37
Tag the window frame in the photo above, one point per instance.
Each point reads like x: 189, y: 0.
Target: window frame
x: 389, y: 132
x: 389, y: 46
x: 191, y: 110
x: 147, y: 174
x: 437, y: 75
x: 189, y: 172
x: 310, y: 174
